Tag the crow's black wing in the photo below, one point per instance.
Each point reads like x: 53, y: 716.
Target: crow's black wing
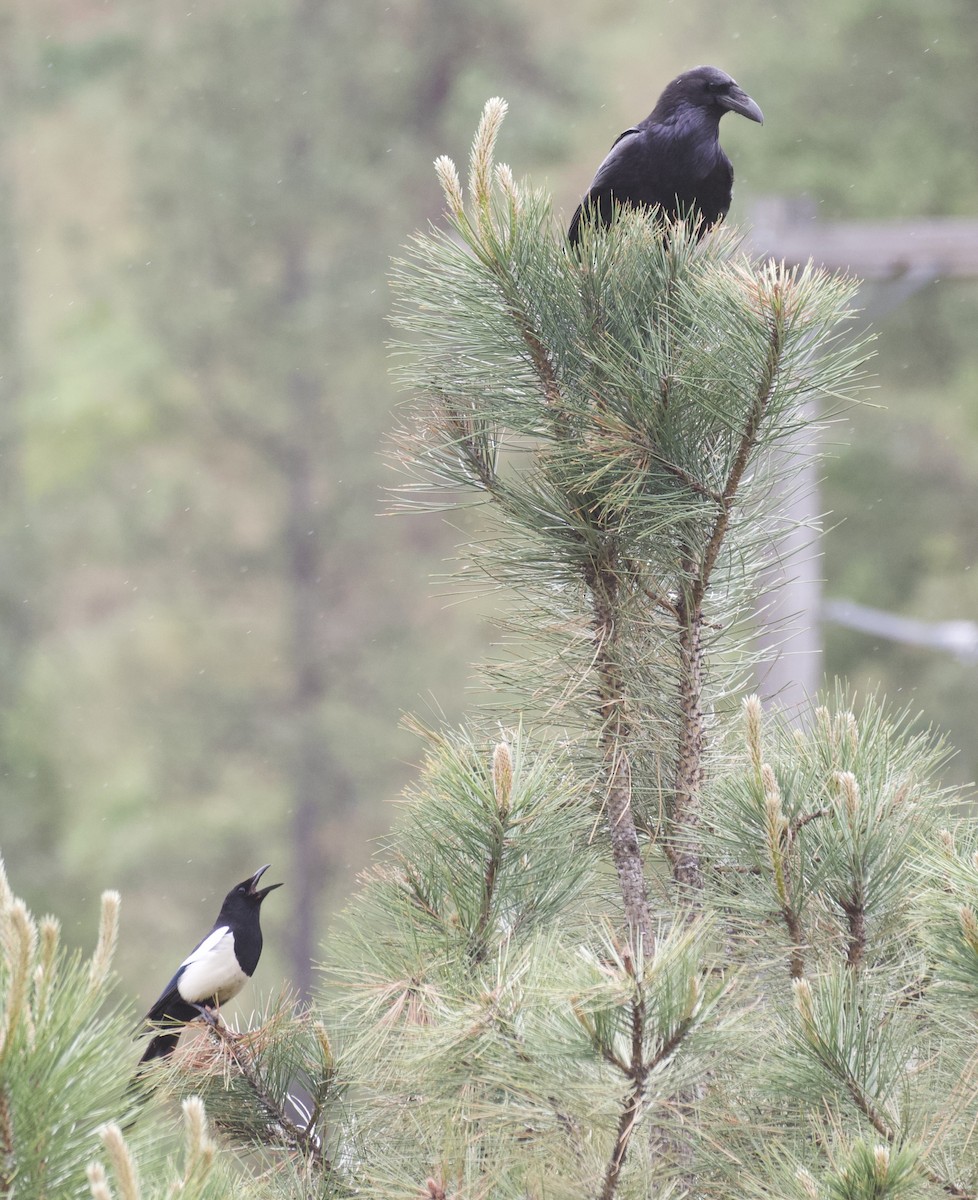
x: 653, y: 168
x: 645, y: 168
x: 617, y: 161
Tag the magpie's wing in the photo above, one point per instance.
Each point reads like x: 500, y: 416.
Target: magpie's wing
x: 170, y: 997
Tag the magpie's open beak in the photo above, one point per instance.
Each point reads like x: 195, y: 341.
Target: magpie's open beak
x: 253, y: 889
x: 737, y: 100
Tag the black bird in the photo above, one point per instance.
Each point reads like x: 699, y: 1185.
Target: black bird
x: 672, y: 160
x: 215, y: 970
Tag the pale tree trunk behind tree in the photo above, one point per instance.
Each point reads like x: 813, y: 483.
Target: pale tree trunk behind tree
x: 789, y: 634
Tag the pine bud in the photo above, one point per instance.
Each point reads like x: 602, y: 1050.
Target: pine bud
x: 50, y: 934
x: 847, y: 784
x: 803, y: 1001
x: 6, y: 895
x: 49, y: 929
x: 108, y: 933
x: 502, y: 777
x: 969, y: 926
x: 504, y: 177
x: 851, y: 731
x: 480, y: 177
x: 450, y: 183
x: 777, y: 824
x: 98, y: 1184
x: 123, y: 1166
x: 325, y: 1046
x: 18, y: 935
x: 772, y: 793
x: 200, y: 1148
x: 808, y: 1184
x: 881, y: 1162
x: 752, y: 721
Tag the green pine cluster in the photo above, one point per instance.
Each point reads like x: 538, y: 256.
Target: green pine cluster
x: 630, y: 937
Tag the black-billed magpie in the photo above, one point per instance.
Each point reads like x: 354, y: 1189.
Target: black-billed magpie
x: 215, y: 970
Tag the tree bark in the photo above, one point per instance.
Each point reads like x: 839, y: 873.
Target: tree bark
x: 615, y: 736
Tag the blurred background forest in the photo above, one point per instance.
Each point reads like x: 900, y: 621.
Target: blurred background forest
x: 207, y: 632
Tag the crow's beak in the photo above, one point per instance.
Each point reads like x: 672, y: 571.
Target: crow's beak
x: 737, y: 100
x: 253, y: 883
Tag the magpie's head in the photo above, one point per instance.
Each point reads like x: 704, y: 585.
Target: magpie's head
x: 710, y: 89
x: 248, y: 891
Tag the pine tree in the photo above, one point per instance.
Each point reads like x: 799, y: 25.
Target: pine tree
x: 640, y: 939
x: 65, y: 1052
x: 616, y: 408
x: 760, y: 1005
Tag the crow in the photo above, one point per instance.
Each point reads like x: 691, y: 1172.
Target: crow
x: 215, y: 970
x: 672, y: 160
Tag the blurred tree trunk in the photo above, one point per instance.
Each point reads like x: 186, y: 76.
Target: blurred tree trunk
x: 21, y: 746
x: 310, y: 764
x: 15, y: 606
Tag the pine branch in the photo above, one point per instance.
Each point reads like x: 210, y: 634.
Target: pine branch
x: 542, y: 364
x: 780, y: 837
x: 490, y: 247
x: 663, y: 1004
x: 6, y: 1143
x: 838, y: 1061
x: 804, y: 819
x: 465, y: 438
x: 603, y: 584
x: 292, y: 1136
x: 638, y: 1070
x: 630, y: 393
x: 748, y: 441
x: 865, y: 1105
x: 683, y: 843
x: 632, y: 1107
x: 855, y: 911
x: 480, y: 940
x: 687, y: 479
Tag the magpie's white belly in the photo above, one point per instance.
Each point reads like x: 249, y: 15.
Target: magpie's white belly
x: 212, y: 971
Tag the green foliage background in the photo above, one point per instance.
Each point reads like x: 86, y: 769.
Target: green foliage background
x: 147, y: 700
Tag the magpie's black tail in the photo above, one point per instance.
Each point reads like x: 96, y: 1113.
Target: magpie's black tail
x: 161, y: 1045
